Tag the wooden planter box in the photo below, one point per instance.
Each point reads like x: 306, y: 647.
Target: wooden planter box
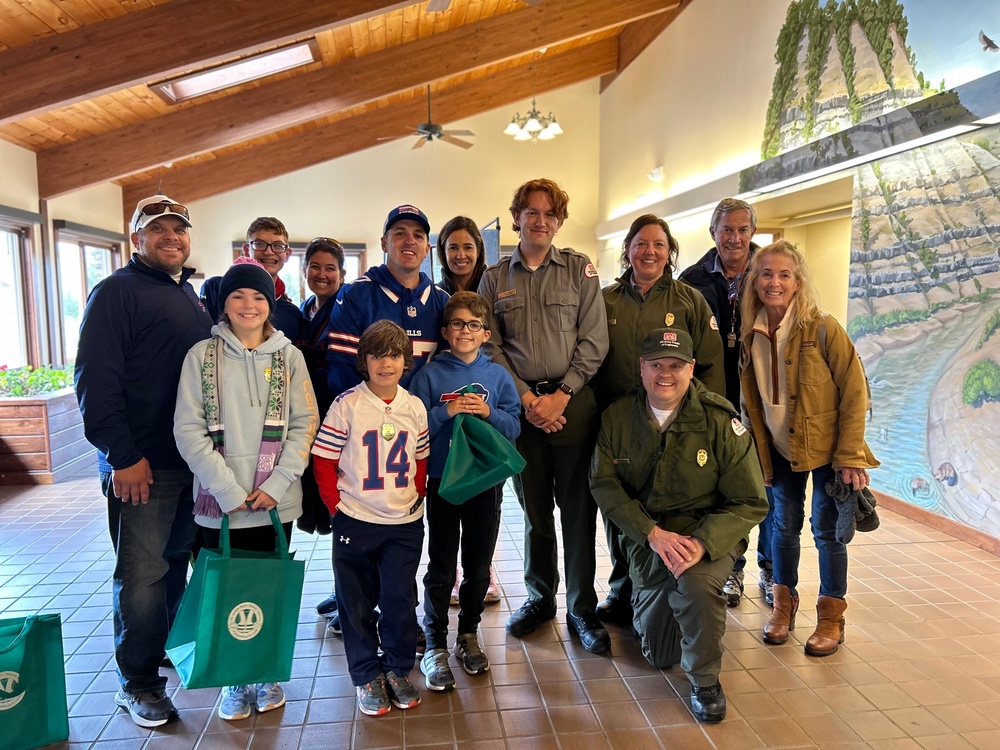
x: 41, y: 439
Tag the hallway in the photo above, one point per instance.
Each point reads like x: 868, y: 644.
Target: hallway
x: 920, y: 668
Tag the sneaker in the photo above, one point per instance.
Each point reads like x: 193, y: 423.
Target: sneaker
x: 401, y: 690
x: 468, y: 651
x: 269, y: 696
x: 372, y: 698
x: 421, y: 642
x: 437, y: 673
x: 148, y: 709
x: 328, y: 606
x: 333, y: 625
x: 531, y: 614
x: 454, y: 591
x: 235, y: 703
x: 493, y: 592
x: 733, y: 588
x: 766, y: 584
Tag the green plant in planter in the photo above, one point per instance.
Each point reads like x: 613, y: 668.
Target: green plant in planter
x: 33, y: 381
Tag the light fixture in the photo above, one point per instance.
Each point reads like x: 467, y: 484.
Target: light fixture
x: 191, y: 85
x: 533, y: 126
x: 655, y: 175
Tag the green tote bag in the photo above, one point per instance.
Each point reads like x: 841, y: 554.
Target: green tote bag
x: 32, y: 682
x: 237, y: 618
x: 479, y: 458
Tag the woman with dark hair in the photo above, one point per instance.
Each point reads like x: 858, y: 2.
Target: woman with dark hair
x: 462, y: 255
x: 323, y: 267
x: 806, y: 399
x: 644, y: 298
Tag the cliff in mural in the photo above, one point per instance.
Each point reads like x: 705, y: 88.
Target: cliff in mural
x: 924, y: 310
x: 838, y: 65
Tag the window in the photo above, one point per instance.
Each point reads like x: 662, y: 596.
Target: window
x: 14, y: 348
x: 84, y: 257
x: 292, y: 273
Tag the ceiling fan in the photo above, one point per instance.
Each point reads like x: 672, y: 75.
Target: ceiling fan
x: 429, y: 131
x: 440, y: 6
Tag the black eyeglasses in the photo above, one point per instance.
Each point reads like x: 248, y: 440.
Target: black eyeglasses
x: 155, y: 209
x: 260, y: 246
x: 473, y: 325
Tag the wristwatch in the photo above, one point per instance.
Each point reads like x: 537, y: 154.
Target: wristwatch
x: 566, y: 389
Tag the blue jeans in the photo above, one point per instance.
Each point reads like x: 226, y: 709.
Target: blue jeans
x: 764, y: 560
x: 788, y: 496
x: 152, y: 545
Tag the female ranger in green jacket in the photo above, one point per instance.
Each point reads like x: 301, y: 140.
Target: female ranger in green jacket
x: 646, y: 297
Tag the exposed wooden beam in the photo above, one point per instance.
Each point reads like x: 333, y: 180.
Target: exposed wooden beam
x: 304, y: 149
x: 638, y: 35
x: 136, y: 47
x: 275, y: 106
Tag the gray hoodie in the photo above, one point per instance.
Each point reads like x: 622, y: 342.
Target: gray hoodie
x: 244, y: 389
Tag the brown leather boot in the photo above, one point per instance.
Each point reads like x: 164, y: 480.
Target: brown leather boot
x: 829, y: 633
x: 782, y: 616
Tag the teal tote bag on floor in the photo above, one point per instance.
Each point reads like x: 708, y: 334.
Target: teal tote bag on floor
x: 32, y: 682
x: 237, y: 619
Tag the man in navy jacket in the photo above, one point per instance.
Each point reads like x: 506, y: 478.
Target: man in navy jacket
x: 137, y: 327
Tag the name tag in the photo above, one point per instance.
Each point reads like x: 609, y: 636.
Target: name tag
x: 612, y: 321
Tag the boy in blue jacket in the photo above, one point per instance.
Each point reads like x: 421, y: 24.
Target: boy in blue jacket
x: 476, y: 522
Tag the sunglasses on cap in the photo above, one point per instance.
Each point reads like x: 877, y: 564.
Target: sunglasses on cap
x: 155, y: 209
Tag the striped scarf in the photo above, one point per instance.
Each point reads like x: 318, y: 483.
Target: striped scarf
x: 274, y: 422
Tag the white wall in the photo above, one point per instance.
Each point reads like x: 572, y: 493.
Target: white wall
x: 19, y: 186
x: 348, y: 198
x: 99, y: 206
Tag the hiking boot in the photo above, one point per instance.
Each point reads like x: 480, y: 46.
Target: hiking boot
x: 401, y: 691
x: 493, y: 591
x: 372, y: 698
x: 269, y: 696
x: 592, y: 634
x: 437, y: 673
x: 733, y: 588
x: 527, y: 619
x: 708, y: 704
x: 468, y: 651
x: 149, y: 708
x: 235, y: 703
x: 766, y: 584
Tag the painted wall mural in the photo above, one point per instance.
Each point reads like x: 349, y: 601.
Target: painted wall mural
x: 924, y: 288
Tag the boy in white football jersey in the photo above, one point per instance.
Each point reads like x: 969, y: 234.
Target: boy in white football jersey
x: 371, y: 466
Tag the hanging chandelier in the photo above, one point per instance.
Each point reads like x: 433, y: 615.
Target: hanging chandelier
x: 533, y: 126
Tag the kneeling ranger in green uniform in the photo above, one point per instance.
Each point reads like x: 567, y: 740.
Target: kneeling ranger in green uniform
x: 677, y: 472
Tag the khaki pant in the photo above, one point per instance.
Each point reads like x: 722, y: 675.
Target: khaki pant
x: 682, y: 620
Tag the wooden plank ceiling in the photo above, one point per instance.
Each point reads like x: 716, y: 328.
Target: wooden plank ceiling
x: 75, y: 73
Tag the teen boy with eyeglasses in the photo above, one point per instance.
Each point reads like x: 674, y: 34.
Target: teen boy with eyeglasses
x: 267, y: 243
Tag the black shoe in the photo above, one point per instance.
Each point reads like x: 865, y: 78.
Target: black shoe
x: 328, y: 606
x: 708, y: 704
x: 527, y: 619
x: 333, y: 625
x: 592, y: 634
x: 421, y: 642
x: 616, y: 610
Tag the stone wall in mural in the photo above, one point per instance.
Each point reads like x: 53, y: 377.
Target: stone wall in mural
x: 924, y: 307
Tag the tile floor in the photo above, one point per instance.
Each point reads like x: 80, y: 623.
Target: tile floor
x: 920, y: 668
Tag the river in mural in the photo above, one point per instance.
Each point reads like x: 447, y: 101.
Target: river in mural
x: 903, y: 382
